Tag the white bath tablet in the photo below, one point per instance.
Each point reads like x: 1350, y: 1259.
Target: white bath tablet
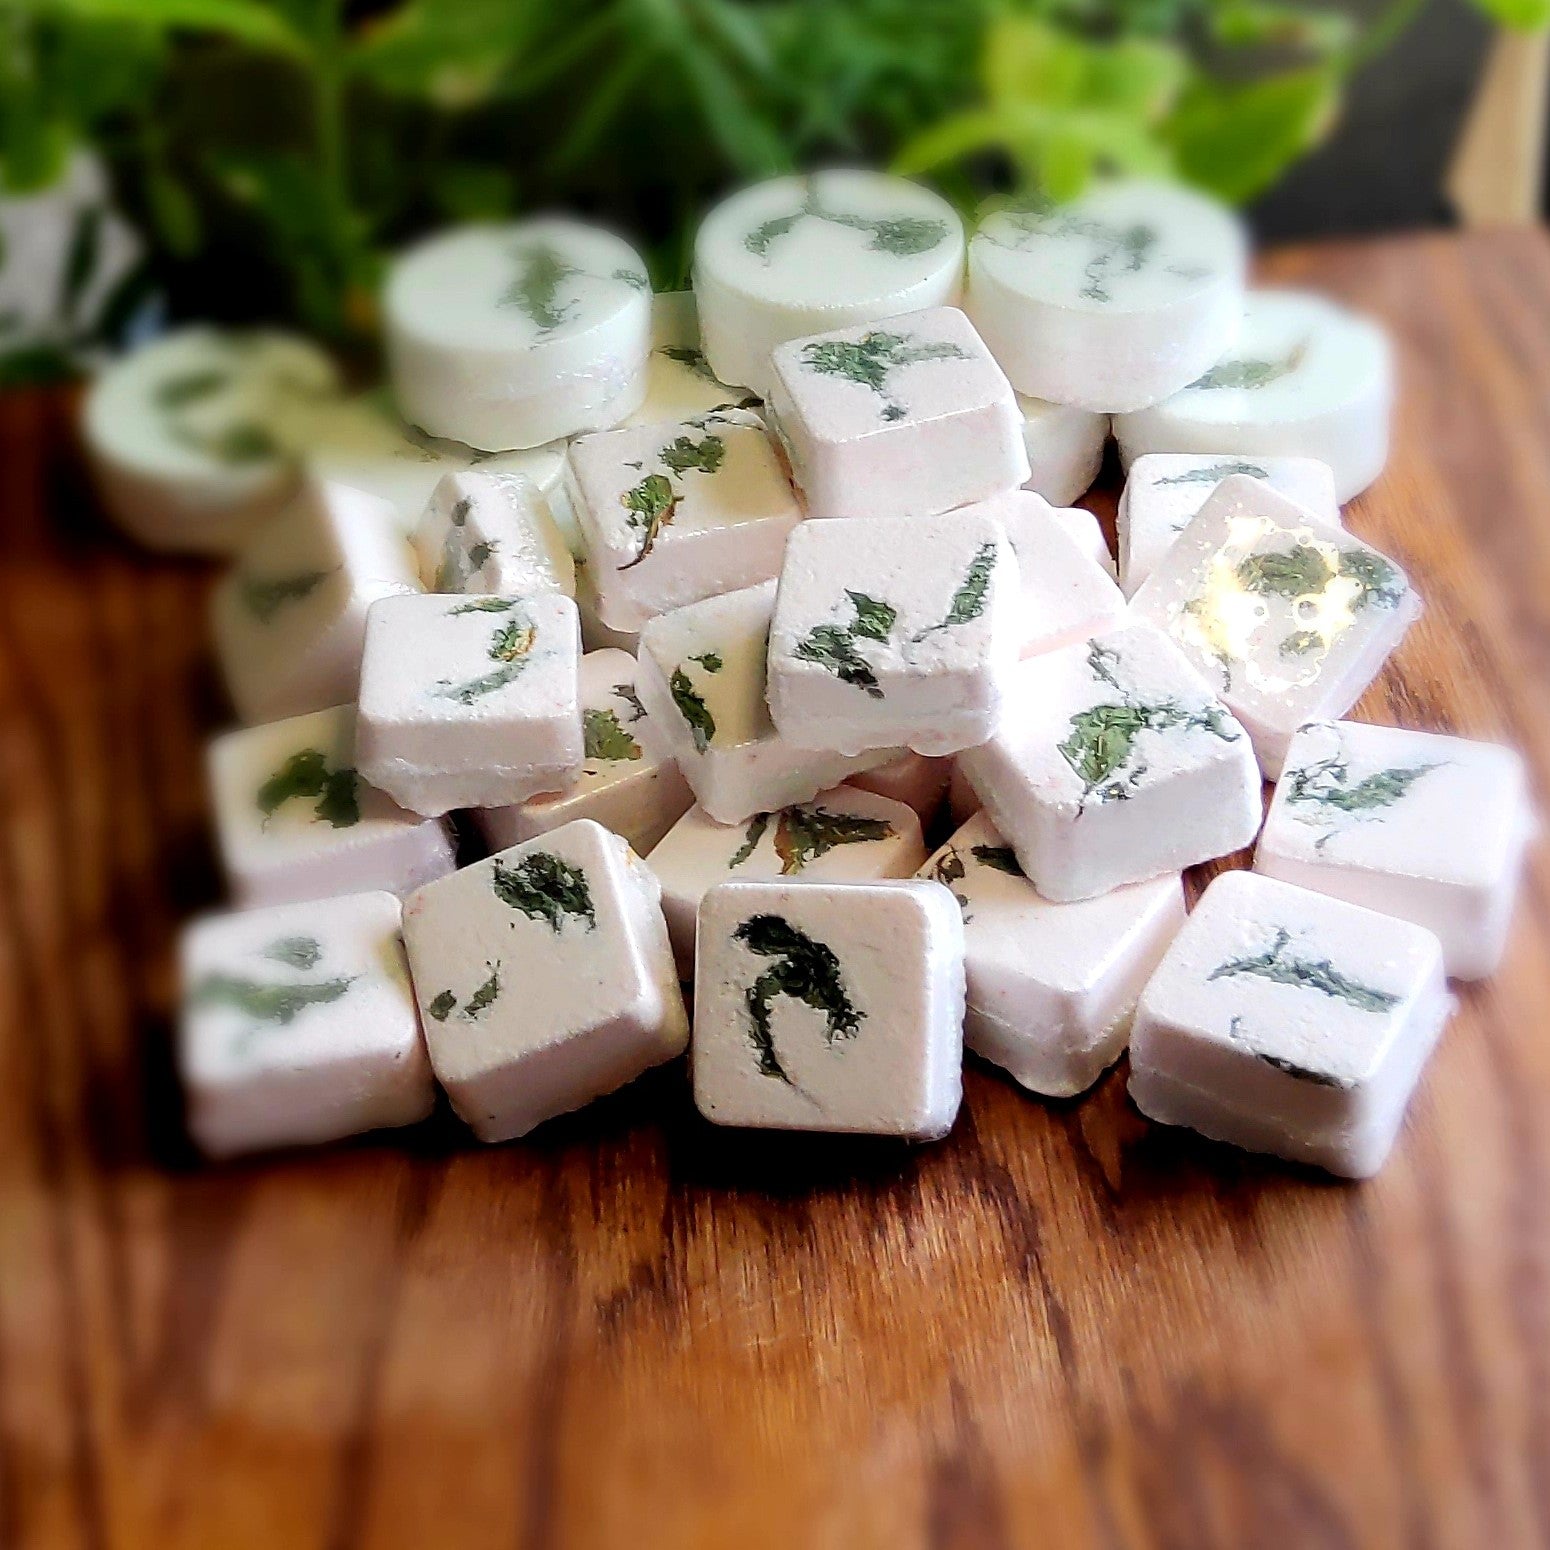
x: 544, y: 978
x: 702, y: 677
x: 890, y: 632
x: 673, y: 513
x: 1051, y: 986
x: 470, y: 702
x: 905, y: 419
x: 361, y: 442
x: 629, y: 781
x: 1164, y: 491
x: 299, y: 1026
x: 1288, y: 1022
x: 1431, y: 829
x: 1111, y: 302
x: 799, y: 256
x: 1306, y: 378
x: 191, y: 438
x: 511, y: 336
x: 841, y: 836
x: 1065, y: 448
x: 830, y: 1006
x: 290, y: 616
x: 1115, y: 763
x: 679, y: 381
x: 294, y: 819
x: 483, y: 532
x: 1289, y: 617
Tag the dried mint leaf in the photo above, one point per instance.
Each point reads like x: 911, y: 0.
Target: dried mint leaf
x: 264, y: 597
x: 804, y: 834
x: 296, y: 952
x: 543, y: 887
x: 265, y: 1003
x: 485, y: 995
x: 1000, y: 858
x: 710, y: 661
x: 442, y: 1006
x: 757, y: 826
x: 1301, y: 571
x: 694, y: 710
x: 1252, y: 373
x: 604, y: 738
x: 1214, y: 473
x: 1284, y: 968
x: 870, y: 360
x: 651, y: 504
x: 807, y: 971
x: 190, y: 387
x: 875, y: 619
x: 535, y: 291
x: 833, y: 647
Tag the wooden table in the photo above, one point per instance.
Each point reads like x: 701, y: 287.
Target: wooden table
x: 1060, y: 1327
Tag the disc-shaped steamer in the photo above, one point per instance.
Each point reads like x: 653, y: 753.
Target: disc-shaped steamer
x: 191, y: 437
x: 1306, y: 378
x: 1065, y: 448
x: 1113, y: 301
x: 511, y: 336
x: 798, y: 256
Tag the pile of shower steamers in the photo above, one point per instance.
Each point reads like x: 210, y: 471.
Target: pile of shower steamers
x: 754, y: 635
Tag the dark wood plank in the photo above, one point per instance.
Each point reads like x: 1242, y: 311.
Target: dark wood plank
x: 1061, y: 1326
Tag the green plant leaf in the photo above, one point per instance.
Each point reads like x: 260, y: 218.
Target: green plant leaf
x: 245, y: 21
x: 1525, y: 15
x: 1235, y: 141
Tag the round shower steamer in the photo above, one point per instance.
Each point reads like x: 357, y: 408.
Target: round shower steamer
x: 1113, y: 301
x: 510, y: 336
x: 190, y: 436
x: 803, y: 255
x: 1307, y: 378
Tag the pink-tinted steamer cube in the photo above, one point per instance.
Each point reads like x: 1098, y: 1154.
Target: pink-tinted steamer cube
x: 917, y: 781
x: 470, y: 702
x: 1067, y: 592
x: 1289, y: 617
x: 832, y: 1007
x: 841, y: 836
x: 894, y: 632
x: 1051, y: 987
x: 545, y: 978
x: 1285, y: 1021
x: 906, y: 417
x: 673, y: 513
x: 299, y: 1026
x: 295, y: 820
x: 1115, y: 763
x: 1431, y: 829
x: 290, y: 616
x: 1165, y: 490
x: 629, y: 780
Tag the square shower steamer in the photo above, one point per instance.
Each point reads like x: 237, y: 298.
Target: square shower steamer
x: 1289, y: 617
x: 470, y: 702
x: 294, y: 819
x: 702, y: 676
x: 670, y: 514
x: 1431, y: 829
x: 1285, y: 1021
x: 545, y: 978
x: 901, y: 418
x: 830, y: 1006
x: 299, y: 1026
x: 889, y: 632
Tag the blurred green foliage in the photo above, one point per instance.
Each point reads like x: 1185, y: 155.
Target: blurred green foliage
x: 274, y: 150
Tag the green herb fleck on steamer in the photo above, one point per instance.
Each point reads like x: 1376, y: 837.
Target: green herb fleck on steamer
x: 307, y: 774
x: 544, y: 887
x: 1283, y: 967
x: 806, y: 970
x: 871, y: 361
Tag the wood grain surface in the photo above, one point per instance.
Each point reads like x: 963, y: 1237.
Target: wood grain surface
x: 1060, y: 1327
